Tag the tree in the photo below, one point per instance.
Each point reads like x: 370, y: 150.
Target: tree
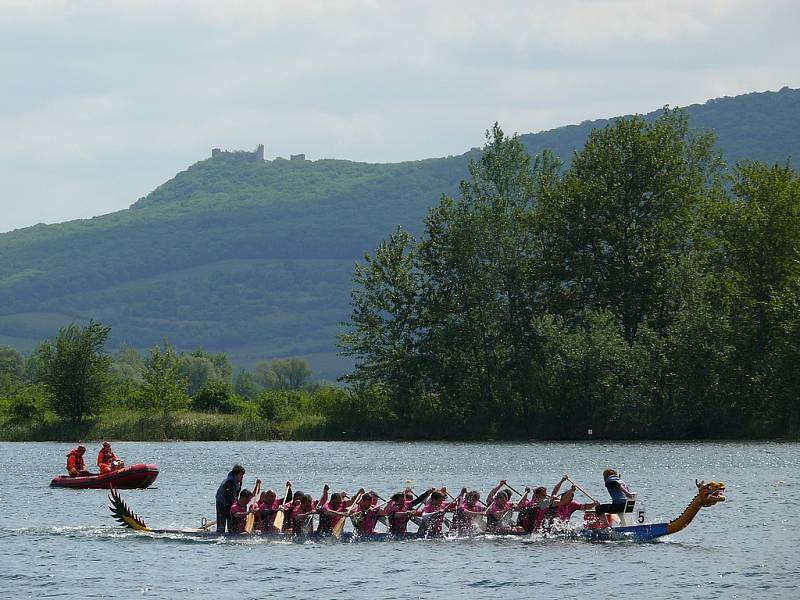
x: 283, y: 374
x: 480, y: 293
x: 244, y: 385
x: 27, y: 404
x: 624, y: 215
x: 384, y: 322
x: 76, y: 370
x: 164, y: 387
x: 127, y: 367
x: 222, y: 365
x: 11, y: 362
x: 761, y: 237
x: 197, y: 370
x: 12, y: 369
x: 215, y: 396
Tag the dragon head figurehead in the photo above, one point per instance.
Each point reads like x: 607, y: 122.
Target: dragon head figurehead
x: 710, y: 493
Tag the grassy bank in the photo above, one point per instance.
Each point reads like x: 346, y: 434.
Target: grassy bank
x: 136, y: 426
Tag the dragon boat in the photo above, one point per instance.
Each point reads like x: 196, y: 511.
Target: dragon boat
x: 708, y: 494
x: 128, y: 478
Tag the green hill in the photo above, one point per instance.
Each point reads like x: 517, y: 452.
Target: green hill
x: 254, y: 258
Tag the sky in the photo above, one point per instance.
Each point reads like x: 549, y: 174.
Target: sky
x: 101, y: 102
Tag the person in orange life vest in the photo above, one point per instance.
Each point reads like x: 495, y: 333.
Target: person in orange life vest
x: 75, y: 465
x: 107, y: 460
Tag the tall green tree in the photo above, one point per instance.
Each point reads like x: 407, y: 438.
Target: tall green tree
x: 11, y: 362
x: 221, y: 362
x: 75, y: 370
x: 216, y: 396
x: 245, y: 385
x: 761, y: 236
x: 478, y: 260
x: 292, y: 373
x: 165, y: 388
x: 384, y: 323
x: 12, y: 368
x: 198, y: 371
x: 127, y: 367
x: 624, y: 215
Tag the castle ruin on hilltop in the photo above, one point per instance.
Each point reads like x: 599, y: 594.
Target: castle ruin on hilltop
x: 257, y: 154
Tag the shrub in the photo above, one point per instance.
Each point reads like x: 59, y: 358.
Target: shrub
x: 215, y: 396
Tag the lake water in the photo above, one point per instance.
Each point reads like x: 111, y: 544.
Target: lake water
x: 63, y: 543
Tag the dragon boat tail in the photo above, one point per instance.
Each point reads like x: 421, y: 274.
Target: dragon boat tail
x: 708, y: 494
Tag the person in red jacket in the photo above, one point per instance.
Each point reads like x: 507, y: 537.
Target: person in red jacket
x: 107, y: 461
x: 75, y: 465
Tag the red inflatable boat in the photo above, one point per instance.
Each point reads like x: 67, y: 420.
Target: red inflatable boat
x: 128, y: 478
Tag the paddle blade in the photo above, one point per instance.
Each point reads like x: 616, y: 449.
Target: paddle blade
x: 337, y: 529
x: 278, y: 522
x: 123, y: 514
x: 249, y: 523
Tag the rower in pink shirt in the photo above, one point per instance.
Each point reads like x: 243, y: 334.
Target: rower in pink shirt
x: 332, y: 511
x: 400, y: 509
x: 365, y: 517
x: 566, y: 505
x: 302, y: 514
x: 240, y: 510
x: 469, y: 512
x: 500, y: 509
x: 538, y: 509
x: 433, y: 512
x: 266, y: 509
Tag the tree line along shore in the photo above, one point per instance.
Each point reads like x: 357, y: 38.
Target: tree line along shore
x: 647, y: 290
x: 70, y: 389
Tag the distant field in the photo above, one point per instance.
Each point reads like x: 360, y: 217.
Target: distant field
x: 249, y: 308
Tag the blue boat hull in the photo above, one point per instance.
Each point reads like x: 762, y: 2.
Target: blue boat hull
x: 636, y: 532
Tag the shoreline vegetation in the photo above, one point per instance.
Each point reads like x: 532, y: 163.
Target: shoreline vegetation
x: 205, y: 427
x: 646, y: 291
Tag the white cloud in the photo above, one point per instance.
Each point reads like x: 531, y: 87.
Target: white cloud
x: 104, y: 101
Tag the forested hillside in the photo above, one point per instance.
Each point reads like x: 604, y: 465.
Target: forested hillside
x: 255, y: 258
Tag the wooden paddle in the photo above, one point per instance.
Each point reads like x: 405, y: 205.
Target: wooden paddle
x: 250, y: 520
x: 580, y: 489
x: 339, y: 527
x: 513, y: 490
x: 278, y: 522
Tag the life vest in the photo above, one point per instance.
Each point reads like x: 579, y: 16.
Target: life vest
x: 302, y: 524
x: 525, y: 518
x: 106, y: 456
x: 238, y: 524
x: 614, y: 486
x: 459, y: 519
x: 364, y: 520
x: 497, y: 520
x: 430, y: 523
x: 325, y: 523
x: 77, y: 458
x: 399, y: 524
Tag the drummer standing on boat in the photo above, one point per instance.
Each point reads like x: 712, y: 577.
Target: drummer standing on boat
x: 227, y: 495
x: 619, y: 492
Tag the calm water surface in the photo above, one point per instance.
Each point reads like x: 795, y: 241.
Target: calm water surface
x: 63, y: 543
